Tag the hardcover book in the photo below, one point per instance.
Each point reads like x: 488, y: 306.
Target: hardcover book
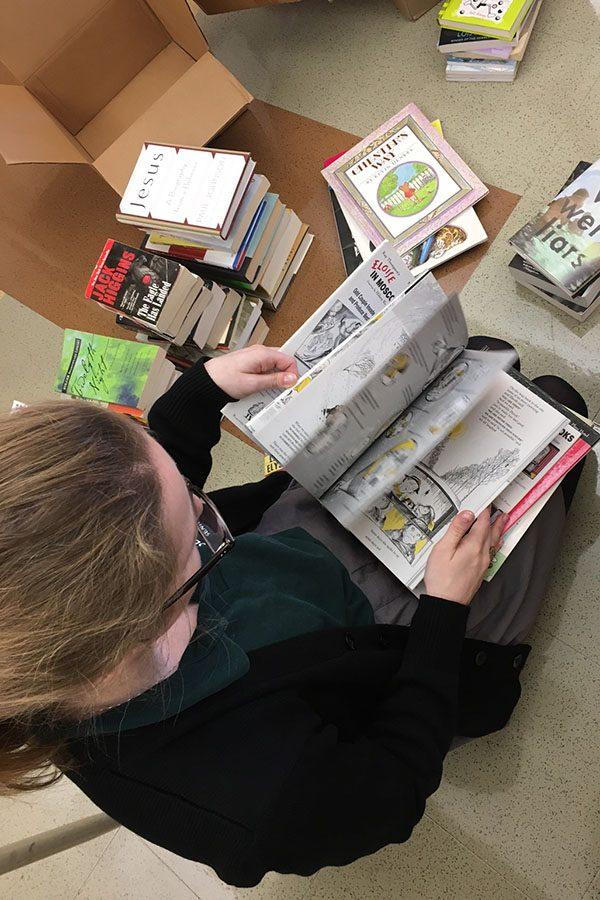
x: 403, y: 181
x: 563, y: 240
x: 499, y: 18
x: 195, y: 187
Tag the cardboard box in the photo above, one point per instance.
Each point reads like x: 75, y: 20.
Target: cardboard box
x: 414, y: 9
x: 220, y: 6
x: 87, y: 82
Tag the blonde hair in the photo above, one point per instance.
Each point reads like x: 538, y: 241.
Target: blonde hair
x: 86, y: 564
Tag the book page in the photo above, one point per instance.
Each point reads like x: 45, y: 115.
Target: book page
x: 319, y: 427
x: 414, y: 434
x: 466, y: 470
x: 380, y: 279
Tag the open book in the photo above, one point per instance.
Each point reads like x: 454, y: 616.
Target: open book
x: 397, y: 426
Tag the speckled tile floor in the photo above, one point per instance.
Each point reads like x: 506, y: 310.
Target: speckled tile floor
x: 518, y: 813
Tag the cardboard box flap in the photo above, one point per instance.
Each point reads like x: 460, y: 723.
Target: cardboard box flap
x: 179, y: 21
x: 34, y: 135
x: 6, y: 76
x: 141, y: 92
x: 82, y: 75
x: 32, y: 30
x: 199, y: 105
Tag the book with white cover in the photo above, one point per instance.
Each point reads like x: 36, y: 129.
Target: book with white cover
x: 195, y: 187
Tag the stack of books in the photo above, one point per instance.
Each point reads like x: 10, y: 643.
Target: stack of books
x: 123, y: 375
x: 211, y: 210
x: 558, y: 252
x: 166, y: 304
x: 405, y: 184
x: 485, y: 41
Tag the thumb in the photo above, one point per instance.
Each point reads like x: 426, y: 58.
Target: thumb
x: 273, y: 380
x: 458, y: 527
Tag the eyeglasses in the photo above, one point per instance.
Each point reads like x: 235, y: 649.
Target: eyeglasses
x: 213, y: 540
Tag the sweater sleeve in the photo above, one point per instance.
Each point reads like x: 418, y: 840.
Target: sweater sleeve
x: 187, y: 421
x: 346, y: 798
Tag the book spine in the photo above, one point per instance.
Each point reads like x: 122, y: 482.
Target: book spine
x: 98, y: 268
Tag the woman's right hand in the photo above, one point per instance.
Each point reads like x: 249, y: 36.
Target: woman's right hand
x: 458, y: 562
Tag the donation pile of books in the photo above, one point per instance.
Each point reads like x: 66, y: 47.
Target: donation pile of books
x: 405, y: 184
x: 395, y: 470
x: 558, y: 252
x: 166, y: 304
x: 211, y: 210
x: 485, y: 41
x: 125, y: 376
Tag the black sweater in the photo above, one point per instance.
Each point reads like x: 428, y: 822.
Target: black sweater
x: 328, y: 748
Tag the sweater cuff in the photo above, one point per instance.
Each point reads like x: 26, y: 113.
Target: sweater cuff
x: 436, y: 634
x: 194, y: 388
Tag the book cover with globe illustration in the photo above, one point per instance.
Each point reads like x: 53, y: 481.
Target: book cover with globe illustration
x: 404, y: 181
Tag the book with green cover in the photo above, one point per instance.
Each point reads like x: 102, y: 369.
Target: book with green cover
x: 95, y: 367
x: 563, y: 240
x: 496, y: 18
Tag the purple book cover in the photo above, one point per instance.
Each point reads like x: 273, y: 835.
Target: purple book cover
x: 403, y: 181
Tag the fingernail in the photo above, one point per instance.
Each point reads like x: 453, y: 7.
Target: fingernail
x: 467, y: 515
x: 289, y: 379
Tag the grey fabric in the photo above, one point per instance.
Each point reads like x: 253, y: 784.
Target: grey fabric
x: 503, y: 612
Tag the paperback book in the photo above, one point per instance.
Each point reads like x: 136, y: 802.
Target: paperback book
x: 153, y: 290
x: 404, y: 181
x: 399, y: 426
x: 563, y: 241
x: 112, y: 370
x: 500, y: 18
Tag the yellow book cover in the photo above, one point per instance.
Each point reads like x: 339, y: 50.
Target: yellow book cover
x: 498, y: 18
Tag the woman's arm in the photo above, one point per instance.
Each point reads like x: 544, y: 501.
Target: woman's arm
x: 187, y: 419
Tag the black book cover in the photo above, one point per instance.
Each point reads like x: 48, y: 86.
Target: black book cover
x: 134, y: 282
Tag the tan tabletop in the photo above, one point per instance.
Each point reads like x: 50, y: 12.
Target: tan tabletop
x: 54, y: 221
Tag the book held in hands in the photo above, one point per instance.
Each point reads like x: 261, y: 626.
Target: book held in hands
x: 395, y: 425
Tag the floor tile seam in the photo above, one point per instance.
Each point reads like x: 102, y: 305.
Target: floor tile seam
x: 148, y: 846
x: 473, y: 852
x: 555, y: 637
x: 595, y: 875
x: 97, y: 863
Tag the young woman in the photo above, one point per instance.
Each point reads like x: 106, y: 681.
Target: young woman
x: 247, y: 709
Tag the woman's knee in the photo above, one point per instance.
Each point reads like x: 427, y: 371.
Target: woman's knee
x: 560, y: 390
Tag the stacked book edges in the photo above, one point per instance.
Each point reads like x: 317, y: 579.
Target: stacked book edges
x: 172, y: 308
x: 558, y: 252
x: 400, y: 184
x: 485, y: 41
x: 210, y: 209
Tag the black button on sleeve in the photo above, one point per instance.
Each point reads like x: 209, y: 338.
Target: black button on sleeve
x: 481, y: 658
x: 350, y: 642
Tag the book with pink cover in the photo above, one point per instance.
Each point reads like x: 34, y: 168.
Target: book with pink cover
x: 403, y: 181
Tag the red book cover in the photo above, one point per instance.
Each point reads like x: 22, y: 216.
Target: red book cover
x: 131, y: 281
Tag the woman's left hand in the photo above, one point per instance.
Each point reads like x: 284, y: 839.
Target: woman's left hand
x: 253, y: 369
